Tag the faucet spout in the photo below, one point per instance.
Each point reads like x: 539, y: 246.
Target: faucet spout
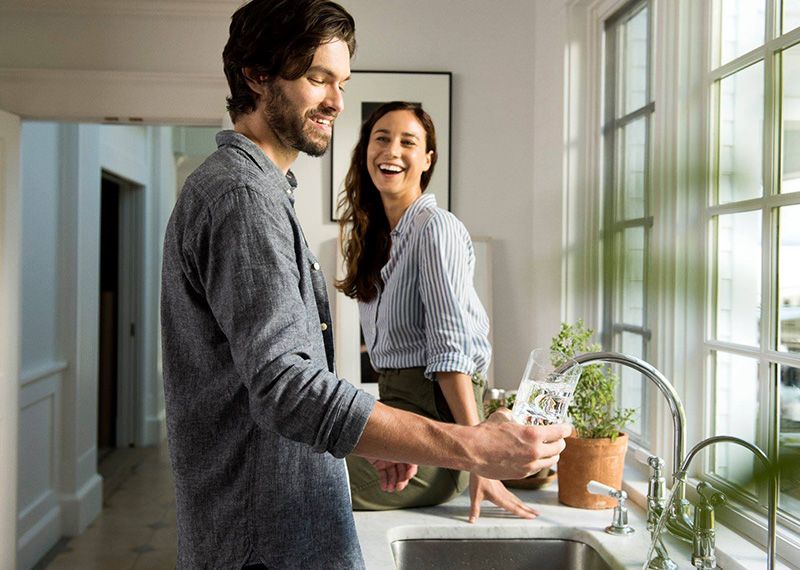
x: 664, y: 386
x: 772, y: 509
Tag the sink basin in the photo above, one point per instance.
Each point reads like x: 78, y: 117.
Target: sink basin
x: 502, y: 554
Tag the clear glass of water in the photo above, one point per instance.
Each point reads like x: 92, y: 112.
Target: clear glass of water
x: 544, y: 395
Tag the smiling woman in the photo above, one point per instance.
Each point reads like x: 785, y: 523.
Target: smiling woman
x: 368, y: 90
x: 425, y: 329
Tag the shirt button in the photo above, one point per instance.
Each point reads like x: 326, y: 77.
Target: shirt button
x: 324, y: 326
x: 315, y: 266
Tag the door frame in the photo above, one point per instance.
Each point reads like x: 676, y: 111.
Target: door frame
x: 130, y: 304
x: 10, y: 337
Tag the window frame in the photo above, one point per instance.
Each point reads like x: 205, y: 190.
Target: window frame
x: 748, y: 517
x: 680, y: 134
x: 614, y: 223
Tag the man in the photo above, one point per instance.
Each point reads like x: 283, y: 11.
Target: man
x: 257, y: 421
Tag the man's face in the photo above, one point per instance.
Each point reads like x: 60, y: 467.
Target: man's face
x: 301, y: 112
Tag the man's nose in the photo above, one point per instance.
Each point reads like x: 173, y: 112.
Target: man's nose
x: 335, y: 99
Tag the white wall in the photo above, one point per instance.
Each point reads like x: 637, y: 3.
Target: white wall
x: 60, y: 491
x: 507, y: 123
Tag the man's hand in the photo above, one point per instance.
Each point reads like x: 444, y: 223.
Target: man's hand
x: 505, y: 449
x: 394, y: 476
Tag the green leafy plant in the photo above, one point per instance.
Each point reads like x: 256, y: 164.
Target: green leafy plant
x: 593, y: 409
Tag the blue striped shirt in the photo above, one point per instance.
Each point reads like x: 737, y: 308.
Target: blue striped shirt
x: 428, y: 313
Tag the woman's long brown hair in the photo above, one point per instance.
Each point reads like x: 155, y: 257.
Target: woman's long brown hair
x: 363, y: 226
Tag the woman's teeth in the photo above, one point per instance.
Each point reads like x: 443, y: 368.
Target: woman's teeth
x: 390, y: 168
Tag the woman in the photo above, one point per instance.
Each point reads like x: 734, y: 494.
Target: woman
x: 410, y: 266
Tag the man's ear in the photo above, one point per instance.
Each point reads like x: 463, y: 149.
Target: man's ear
x: 254, y: 82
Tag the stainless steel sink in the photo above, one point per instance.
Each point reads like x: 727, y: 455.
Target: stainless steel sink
x: 500, y: 554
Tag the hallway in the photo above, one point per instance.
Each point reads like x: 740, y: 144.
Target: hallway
x: 136, y: 528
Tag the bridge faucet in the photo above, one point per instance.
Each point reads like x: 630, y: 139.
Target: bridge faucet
x: 664, y: 386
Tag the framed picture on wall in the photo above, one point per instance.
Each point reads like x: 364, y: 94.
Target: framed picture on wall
x: 365, y: 92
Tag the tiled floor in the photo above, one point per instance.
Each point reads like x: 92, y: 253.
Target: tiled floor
x: 136, y: 529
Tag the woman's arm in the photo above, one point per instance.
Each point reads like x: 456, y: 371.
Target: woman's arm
x: 458, y: 391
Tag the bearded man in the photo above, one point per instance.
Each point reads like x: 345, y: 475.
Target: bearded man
x: 257, y: 420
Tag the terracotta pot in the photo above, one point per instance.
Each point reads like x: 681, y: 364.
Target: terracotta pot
x: 584, y: 460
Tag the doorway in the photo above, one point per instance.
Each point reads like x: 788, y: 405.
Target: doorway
x: 119, y: 313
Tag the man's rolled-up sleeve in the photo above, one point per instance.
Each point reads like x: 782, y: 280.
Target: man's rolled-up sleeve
x: 246, y: 256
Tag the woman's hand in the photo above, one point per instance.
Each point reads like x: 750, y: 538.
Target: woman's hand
x: 394, y: 476
x: 482, y: 489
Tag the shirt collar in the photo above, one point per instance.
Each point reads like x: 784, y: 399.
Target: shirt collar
x: 424, y: 202
x: 254, y: 152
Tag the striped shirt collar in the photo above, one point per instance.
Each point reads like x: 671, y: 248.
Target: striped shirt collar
x: 424, y: 202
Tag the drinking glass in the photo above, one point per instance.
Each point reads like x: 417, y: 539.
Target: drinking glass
x: 544, y: 395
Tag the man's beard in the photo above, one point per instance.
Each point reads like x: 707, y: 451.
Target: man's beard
x: 289, y: 124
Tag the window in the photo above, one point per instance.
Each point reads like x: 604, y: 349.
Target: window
x: 627, y: 221
x: 752, y: 217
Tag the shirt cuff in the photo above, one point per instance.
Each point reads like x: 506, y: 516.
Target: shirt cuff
x: 356, y: 415
x: 450, y: 362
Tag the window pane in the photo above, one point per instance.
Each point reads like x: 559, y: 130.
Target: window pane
x: 791, y: 15
x: 632, y: 384
x: 633, y: 158
x: 741, y: 117
x: 790, y: 434
x: 737, y: 414
x: 633, y: 63
x: 789, y: 278
x: 738, y: 286
x: 741, y: 28
x: 633, y: 277
x: 790, y: 181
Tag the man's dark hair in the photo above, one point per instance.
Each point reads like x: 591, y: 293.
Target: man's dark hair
x: 278, y: 38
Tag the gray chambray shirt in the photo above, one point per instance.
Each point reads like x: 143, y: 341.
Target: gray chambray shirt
x: 257, y: 421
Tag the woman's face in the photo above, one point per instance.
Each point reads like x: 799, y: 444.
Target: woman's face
x: 396, y: 155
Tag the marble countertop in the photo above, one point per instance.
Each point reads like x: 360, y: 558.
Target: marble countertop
x: 377, y: 530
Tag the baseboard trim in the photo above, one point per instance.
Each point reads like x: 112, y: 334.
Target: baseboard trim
x: 39, y: 539
x: 80, y: 509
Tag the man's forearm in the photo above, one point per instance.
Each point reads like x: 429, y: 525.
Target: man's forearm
x: 397, y: 435
x: 497, y: 448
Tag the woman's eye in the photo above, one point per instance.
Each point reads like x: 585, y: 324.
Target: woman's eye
x: 409, y: 143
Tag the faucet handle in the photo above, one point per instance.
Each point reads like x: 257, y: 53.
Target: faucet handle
x: 703, y: 543
x: 654, y: 461
x: 598, y: 488
x: 620, y: 523
x: 710, y: 495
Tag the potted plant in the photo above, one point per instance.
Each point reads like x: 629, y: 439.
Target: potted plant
x: 596, y: 449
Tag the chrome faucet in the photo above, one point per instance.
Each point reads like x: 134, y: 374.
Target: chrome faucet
x: 649, y: 372
x: 701, y: 542
x: 664, y: 386
x: 679, y: 524
x: 704, y: 543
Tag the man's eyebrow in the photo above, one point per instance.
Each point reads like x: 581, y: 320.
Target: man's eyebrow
x: 326, y: 71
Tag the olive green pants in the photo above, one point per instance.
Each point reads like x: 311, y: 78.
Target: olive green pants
x: 408, y: 389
